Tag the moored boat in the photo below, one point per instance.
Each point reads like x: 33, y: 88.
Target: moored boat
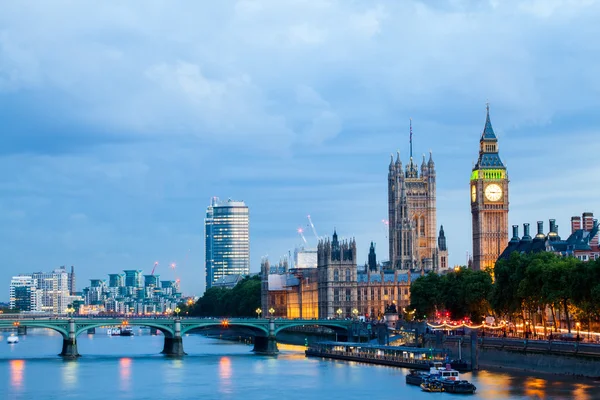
x: 459, y: 387
x: 12, y: 339
x: 432, y: 385
x: 415, y: 377
x: 126, y: 332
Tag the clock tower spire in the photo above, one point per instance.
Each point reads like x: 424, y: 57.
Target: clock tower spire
x: 489, y: 201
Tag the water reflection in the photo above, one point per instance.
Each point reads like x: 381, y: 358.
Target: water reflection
x: 125, y: 373
x: 69, y: 373
x: 535, y: 387
x: 17, y: 367
x: 581, y: 391
x: 225, y: 375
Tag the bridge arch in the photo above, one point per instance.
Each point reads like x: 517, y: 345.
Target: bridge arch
x: 335, y: 326
x: 260, y: 328
x: 60, y: 326
x: 84, y: 326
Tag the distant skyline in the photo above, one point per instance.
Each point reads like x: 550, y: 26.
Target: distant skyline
x: 120, y: 121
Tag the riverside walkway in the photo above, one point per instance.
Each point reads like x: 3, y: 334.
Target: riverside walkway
x: 264, y: 330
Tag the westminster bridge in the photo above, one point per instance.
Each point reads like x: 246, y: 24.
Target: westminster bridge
x: 264, y: 330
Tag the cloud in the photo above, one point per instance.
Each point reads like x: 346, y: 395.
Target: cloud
x: 134, y: 115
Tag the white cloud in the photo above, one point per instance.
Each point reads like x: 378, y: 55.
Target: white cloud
x: 273, y: 101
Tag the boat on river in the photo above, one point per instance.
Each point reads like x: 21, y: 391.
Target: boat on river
x: 416, y: 377
x: 120, y: 332
x: 440, y: 379
x: 432, y: 385
x: 12, y: 339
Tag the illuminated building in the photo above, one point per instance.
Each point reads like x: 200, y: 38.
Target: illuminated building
x: 54, y: 287
x: 412, y: 214
x: 337, y: 277
x: 24, y: 295
x: 336, y: 284
x: 227, y: 242
x: 123, y: 295
x: 489, y: 201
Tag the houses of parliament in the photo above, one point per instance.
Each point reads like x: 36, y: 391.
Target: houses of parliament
x: 336, y: 286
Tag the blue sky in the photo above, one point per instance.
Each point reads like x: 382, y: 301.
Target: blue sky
x: 121, y: 120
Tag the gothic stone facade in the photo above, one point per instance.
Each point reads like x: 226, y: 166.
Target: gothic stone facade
x: 489, y: 201
x: 336, y: 263
x: 337, y: 288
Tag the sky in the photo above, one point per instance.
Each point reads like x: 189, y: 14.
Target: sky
x: 120, y: 120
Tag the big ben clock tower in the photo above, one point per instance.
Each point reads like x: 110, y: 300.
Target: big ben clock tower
x: 489, y: 201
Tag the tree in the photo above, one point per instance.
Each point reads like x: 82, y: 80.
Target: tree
x: 425, y: 295
x: 240, y: 301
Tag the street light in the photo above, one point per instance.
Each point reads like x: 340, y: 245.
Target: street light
x: 177, y: 310
x: 355, y: 312
x: 339, y: 312
x: 258, y: 312
x: 526, y: 329
x: 271, y: 311
x: 70, y: 310
x: 578, y: 325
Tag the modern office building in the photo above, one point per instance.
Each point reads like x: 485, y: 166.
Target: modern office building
x: 227, y: 240
x: 41, y: 292
x: 124, y: 295
x: 72, y: 287
x: 24, y: 295
x: 55, y: 290
x: 134, y: 278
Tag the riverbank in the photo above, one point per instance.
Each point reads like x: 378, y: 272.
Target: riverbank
x: 373, y: 359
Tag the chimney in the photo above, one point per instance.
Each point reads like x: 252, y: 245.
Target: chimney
x: 588, y: 221
x: 594, y: 240
x: 575, y: 224
x: 515, y: 237
x: 540, y: 232
x: 552, y: 225
x: 526, y: 232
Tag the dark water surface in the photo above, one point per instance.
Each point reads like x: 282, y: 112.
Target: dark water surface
x: 131, y: 368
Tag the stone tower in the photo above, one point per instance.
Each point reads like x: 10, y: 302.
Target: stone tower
x: 412, y: 213
x: 489, y: 201
x: 336, y: 264
x: 442, y: 252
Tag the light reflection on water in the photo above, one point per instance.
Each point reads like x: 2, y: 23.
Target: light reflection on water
x: 69, y: 373
x: 16, y: 373
x: 125, y: 373
x: 131, y: 368
x: 225, y: 375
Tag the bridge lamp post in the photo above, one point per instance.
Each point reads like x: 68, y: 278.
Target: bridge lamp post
x: 177, y: 311
x: 70, y: 311
x: 258, y: 312
x: 578, y: 325
x: 271, y: 311
x: 355, y: 313
x: 339, y: 313
x: 168, y: 311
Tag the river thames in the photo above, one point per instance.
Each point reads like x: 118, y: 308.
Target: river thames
x: 131, y: 368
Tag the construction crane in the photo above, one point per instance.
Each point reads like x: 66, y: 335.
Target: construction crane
x: 301, y: 233
x: 155, y: 265
x: 313, y: 228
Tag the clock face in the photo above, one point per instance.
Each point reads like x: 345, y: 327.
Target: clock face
x: 473, y: 193
x: 493, y: 192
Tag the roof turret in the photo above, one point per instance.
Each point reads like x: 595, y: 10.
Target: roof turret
x: 488, y: 132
